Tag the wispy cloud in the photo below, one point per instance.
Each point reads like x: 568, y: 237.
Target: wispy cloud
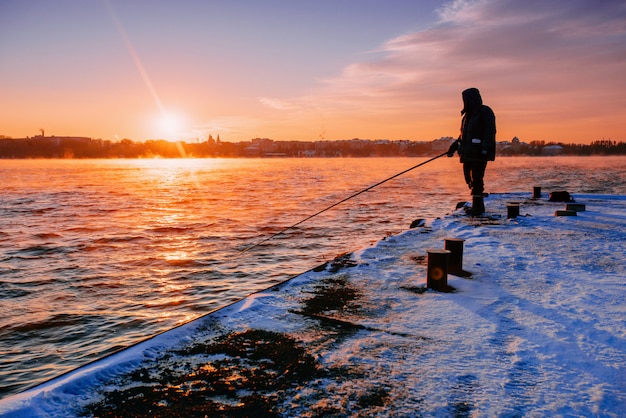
x: 533, y: 60
x: 278, y: 104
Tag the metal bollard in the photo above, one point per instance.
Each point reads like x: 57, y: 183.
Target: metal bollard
x: 565, y: 213
x: 576, y: 207
x: 455, y: 261
x: 437, y: 275
x: 512, y: 210
x: 536, y: 192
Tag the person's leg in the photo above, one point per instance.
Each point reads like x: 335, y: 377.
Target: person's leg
x: 467, y: 172
x: 477, y: 175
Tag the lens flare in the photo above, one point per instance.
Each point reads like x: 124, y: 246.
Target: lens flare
x: 169, y: 124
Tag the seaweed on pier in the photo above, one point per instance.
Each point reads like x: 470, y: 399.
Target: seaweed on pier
x: 239, y: 374
x: 340, y: 262
x: 332, y: 294
x: 255, y: 372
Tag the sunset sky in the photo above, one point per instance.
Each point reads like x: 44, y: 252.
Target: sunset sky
x: 308, y: 70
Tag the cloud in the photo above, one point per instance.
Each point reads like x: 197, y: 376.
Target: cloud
x: 534, y: 59
x: 278, y: 104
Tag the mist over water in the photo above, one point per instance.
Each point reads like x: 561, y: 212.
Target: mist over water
x: 98, y: 254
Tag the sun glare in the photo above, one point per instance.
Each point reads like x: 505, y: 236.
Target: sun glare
x: 170, y: 126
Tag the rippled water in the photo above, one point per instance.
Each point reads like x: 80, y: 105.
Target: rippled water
x: 98, y: 254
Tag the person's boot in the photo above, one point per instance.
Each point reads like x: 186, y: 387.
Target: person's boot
x: 478, y: 205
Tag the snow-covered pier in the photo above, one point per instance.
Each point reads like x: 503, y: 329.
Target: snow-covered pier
x: 538, y: 329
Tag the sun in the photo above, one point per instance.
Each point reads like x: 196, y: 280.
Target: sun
x: 170, y: 125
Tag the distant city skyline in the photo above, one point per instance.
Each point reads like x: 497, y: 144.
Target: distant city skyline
x: 217, y: 137
x: 288, y: 70
x: 41, y: 146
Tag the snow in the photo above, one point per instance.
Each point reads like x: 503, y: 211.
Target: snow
x: 537, y: 330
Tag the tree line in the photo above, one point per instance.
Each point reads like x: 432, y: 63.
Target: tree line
x: 600, y: 147
x: 72, y: 147
x: 79, y: 147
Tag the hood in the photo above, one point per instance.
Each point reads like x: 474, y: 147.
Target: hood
x: 472, y: 102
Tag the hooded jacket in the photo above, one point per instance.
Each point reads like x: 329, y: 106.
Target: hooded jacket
x: 477, y: 141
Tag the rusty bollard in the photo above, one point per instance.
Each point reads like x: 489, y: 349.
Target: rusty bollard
x: 512, y: 210
x: 536, y: 192
x: 455, y: 261
x: 576, y: 207
x: 437, y: 274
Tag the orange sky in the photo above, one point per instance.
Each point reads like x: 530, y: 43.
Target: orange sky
x: 286, y: 70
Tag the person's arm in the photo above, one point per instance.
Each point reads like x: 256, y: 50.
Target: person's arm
x: 453, y: 147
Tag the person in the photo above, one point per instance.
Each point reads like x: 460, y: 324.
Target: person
x: 476, y: 145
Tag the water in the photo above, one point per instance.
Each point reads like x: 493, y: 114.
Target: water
x: 96, y: 255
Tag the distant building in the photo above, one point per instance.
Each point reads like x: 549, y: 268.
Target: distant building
x: 260, y: 147
x: 442, y: 144
x: 551, y: 150
x: 515, y: 144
